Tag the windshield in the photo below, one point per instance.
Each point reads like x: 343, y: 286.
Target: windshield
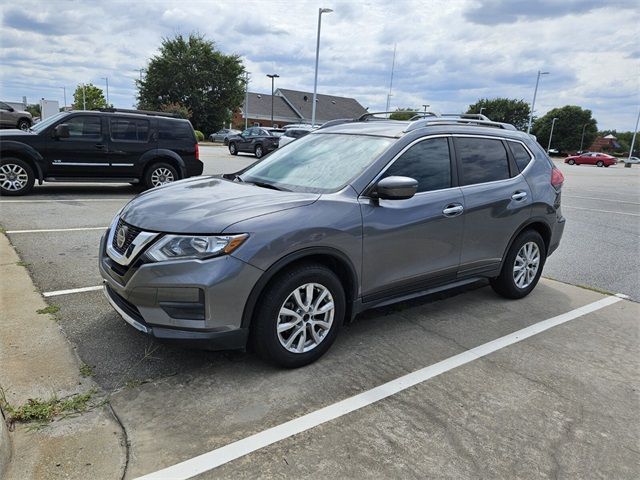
x: 43, y: 125
x: 319, y: 163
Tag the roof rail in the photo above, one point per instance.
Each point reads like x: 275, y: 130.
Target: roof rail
x: 458, y: 118
x: 372, y: 115
x: 139, y: 112
x: 338, y: 121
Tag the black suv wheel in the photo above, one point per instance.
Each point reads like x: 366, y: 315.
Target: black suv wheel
x: 258, y: 151
x: 16, y: 176
x: 160, y: 174
x: 233, y: 150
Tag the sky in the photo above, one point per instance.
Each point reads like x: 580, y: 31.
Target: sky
x: 449, y: 53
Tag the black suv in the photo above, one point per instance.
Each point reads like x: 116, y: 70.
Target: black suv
x: 256, y: 140
x: 99, y: 146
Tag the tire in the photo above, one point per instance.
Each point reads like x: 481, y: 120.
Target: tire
x: 225, y: 141
x: 258, y: 152
x: 599, y: 163
x: 24, y: 124
x: 233, y: 150
x: 571, y: 162
x: 160, y: 174
x: 304, y: 347
x: 16, y: 177
x: 510, y: 283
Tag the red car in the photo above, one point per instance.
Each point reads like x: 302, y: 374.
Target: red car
x: 591, y: 158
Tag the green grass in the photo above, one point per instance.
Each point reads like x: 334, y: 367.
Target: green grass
x: 86, y: 370
x: 52, y: 309
x: 37, y: 410
x: 22, y: 264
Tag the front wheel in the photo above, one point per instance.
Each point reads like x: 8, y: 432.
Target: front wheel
x: 522, y: 266
x: 233, y: 150
x: 160, y: 174
x: 299, y: 316
x: 599, y: 163
x: 24, y: 124
x: 258, y: 151
x: 571, y: 162
x: 16, y: 177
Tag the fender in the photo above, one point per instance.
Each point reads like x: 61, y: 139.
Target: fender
x: 279, y: 265
x: 159, y: 154
x: 8, y: 147
x: 520, y: 229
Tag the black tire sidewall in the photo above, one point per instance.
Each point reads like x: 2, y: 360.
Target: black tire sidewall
x: 30, y: 177
x: 599, y: 163
x: 259, y: 149
x: 233, y: 150
x: 505, y: 284
x: 572, y: 162
x: 23, y: 121
x: 264, y: 337
x: 155, y: 166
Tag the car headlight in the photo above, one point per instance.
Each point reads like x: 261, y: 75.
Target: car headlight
x: 178, y: 247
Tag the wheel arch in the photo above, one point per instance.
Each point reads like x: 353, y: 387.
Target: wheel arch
x: 163, y: 156
x: 331, y: 258
x: 537, y: 224
x: 26, y: 153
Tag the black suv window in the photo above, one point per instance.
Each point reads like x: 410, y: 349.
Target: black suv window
x: 175, y: 130
x: 428, y: 162
x: 129, y: 130
x: 482, y: 160
x: 520, y: 154
x: 85, y: 128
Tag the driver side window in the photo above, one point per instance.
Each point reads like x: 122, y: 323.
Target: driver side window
x: 85, y: 128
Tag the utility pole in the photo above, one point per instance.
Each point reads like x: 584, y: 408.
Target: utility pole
x: 633, y: 140
x: 84, y: 98
x: 553, y: 123
x: 425, y: 107
x: 533, y: 103
x: 64, y: 89
x: 393, y: 66
x: 107, y: 80
x: 315, y: 80
x: 272, y: 76
x: 246, y: 100
x: 582, y: 137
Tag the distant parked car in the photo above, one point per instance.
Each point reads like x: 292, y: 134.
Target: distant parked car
x: 291, y: 134
x: 591, y: 158
x: 256, y: 140
x: 625, y: 160
x: 553, y: 151
x: 12, y: 118
x: 223, y: 135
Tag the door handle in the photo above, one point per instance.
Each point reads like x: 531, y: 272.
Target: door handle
x: 452, y: 210
x: 99, y: 146
x: 519, y: 196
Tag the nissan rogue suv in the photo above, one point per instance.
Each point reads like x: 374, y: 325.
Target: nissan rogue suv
x: 124, y: 146
x: 352, y: 216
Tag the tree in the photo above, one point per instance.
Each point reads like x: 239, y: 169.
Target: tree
x: 403, y: 114
x: 567, y: 132
x: 34, y: 110
x: 507, y: 110
x: 177, y: 109
x: 91, y: 99
x: 189, y: 71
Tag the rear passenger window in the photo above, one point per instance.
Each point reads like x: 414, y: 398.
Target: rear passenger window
x: 129, y: 130
x: 520, y: 154
x: 482, y: 160
x: 175, y: 130
x: 428, y: 162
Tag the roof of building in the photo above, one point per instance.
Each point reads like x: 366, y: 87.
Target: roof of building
x: 259, y: 107
x: 328, y: 107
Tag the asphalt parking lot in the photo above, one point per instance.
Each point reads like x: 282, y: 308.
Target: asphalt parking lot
x: 560, y: 404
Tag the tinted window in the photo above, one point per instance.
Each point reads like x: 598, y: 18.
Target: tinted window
x: 428, y: 162
x: 176, y: 131
x: 520, y: 154
x: 129, y: 129
x: 85, y: 128
x: 4, y: 106
x: 482, y: 160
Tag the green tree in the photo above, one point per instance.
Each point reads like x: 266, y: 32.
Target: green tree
x: 34, y: 109
x: 91, y: 99
x: 567, y: 132
x: 403, y: 113
x: 189, y: 71
x: 507, y: 110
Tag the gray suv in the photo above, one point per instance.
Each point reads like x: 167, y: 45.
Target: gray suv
x: 12, y: 118
x: 352, y: 216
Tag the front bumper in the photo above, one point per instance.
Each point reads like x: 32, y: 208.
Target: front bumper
x: 199, y: 302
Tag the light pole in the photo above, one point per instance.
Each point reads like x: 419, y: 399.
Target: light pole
x: 84, y: 98
x: 64, y: 89
x: 315, y: 80
x: 425, y: 107
x: 553, y: 123
x: 482, y: 108
x: 272, y: 76
x: 533, y: 103
x: 582, y: 137
x: 246, y: 100
x: 633, y: 140
x: 106, y: 79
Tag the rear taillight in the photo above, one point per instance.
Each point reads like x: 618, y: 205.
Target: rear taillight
x: 557, y: 178
x: 197, y: 152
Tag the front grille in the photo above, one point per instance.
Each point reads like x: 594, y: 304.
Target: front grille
x: 130, y: 234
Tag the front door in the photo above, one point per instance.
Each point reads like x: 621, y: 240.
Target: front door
x: 410, y: 245
x: 84, y: 153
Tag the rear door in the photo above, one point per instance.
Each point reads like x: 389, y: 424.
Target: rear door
x: 85, y: 153
x: 129, y: 139
x: 497, y: 200
x: 410, y: 245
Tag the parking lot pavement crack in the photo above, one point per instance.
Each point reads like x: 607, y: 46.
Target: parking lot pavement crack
x: 565, y: 437
x: 127, y: 445
x: 433, y: 332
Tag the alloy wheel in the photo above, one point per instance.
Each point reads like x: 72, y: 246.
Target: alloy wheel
x: 526, y: 265
x: 161, y: 176
x: 13, y: 177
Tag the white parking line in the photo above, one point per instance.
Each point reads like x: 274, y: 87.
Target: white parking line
x: 48, y: 230
x: 71, y: 290
x: 603, y: 211
x: 57, y: 200
x: 600, y: 199
x: 222, y: 455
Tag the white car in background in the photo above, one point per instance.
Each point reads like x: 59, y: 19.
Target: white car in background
x: 633, y: 160
x: 293, y: 132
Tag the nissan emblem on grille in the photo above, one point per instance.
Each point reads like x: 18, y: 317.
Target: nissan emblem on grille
x: 121, y: 236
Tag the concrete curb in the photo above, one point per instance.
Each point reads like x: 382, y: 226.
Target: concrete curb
x: 38, y: 362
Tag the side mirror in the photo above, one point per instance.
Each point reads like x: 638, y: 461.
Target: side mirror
x: 61, y: 131
x: 395, y: 188
x: 10, y: 109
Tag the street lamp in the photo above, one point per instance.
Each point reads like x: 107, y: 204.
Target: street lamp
x: 482, y: 108
x: 533, y: 103
x: 107, y: 80
x: 582, y: 137
x: 64, y: 89
x: 272, y: 76
x: 551, y: 134
x: 425, y: 107
x: 315, y: 81
x: 84, y: 98
x: 633, y: 141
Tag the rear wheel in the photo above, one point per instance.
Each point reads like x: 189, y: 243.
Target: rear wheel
x: 160, y: 174
x: 233, y: 150
x: 258, y: 151
x: 16, y: 176
x: 24, y: 124
x: 225, y: 141
x: 571, y: 162
x: 522, y: 266
x: 299, y: 316
x: 599, y: 163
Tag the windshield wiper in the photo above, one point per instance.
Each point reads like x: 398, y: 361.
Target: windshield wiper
x: 268, y: 185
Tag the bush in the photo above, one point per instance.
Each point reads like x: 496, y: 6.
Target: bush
x: 199, y: 135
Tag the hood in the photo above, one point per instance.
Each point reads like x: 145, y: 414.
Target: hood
x: 207, y: 205
x: 15, y: 134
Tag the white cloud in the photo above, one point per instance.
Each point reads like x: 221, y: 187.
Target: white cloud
x: 449, y: 53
